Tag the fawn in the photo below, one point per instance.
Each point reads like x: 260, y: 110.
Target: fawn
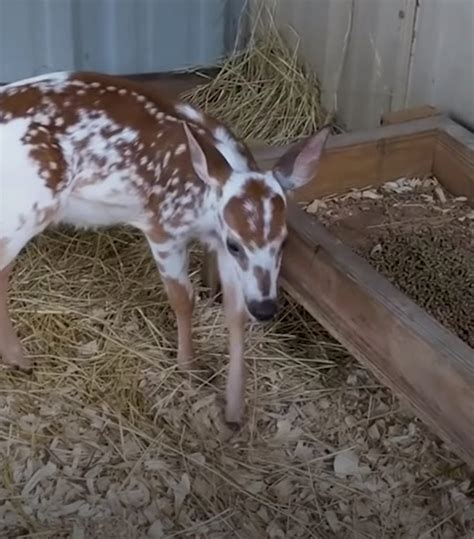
x: 93, y: 150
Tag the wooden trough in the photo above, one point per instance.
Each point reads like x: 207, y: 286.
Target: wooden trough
x: 417, y: 357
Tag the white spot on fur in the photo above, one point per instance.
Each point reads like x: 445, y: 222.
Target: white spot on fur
x: 42, y: 118
x: 189, y: 112
x: 180, y: 149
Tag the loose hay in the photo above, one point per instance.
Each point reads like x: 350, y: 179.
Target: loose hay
x: 108, y: 439
x: 420, y: 237
x: 264, y: 92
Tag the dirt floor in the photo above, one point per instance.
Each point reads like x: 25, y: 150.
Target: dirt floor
x: 107, y: 439
x: 420, y: 237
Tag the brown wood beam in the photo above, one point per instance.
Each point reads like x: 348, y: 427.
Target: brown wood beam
x: 453, y: 162
x: 408, y: 115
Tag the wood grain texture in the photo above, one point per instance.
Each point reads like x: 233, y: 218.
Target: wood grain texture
x: 174, y: 84
x: 453, y: 163
x: 408, y: 115
x: 418, y: 358
x: 356, y: 160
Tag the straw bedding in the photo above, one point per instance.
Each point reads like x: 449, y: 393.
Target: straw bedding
x: 108, y: 439
x: 264, y: 92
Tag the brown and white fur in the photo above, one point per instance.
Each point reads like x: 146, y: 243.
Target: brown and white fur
x: 93, y: 150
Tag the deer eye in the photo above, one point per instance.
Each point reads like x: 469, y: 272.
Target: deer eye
x: 234, y: 248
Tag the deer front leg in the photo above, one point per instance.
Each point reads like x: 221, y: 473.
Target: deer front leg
x: 235, y: 313
x: 173, y: 266
x: 10, y: 346
x: 210, y: 273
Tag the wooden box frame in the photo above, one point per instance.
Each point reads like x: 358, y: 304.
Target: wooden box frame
x: 408, y: 350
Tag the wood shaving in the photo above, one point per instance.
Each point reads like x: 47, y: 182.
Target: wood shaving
x: 118, y: 444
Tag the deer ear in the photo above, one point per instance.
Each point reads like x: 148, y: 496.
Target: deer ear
x: 299, y: 164
x: 208, y: 163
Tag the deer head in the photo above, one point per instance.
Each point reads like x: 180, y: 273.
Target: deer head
x: 251, y: 211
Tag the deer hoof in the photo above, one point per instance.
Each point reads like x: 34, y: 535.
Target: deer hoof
x: 233, y: 426
x: 15, y: 359
x: 233, y: 419
x: 186, y: 363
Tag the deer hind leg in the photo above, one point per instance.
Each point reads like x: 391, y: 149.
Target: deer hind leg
x: 173, y: 265
x: 12, y: 241
x: 10, y: 346
x: 10, y: 245
x: 236, y: 317
x: 210, y: 273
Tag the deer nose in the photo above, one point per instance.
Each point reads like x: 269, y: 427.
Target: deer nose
x: 263, y: 310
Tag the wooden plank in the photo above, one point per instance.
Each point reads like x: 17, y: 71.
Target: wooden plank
x: 408, y: 115
x: 174, y: 84
x: 454, y: 159
x: 355, y: 160
x: 405, y: 348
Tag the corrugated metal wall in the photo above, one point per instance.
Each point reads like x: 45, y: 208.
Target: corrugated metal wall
x: 116, y: 36
x: 400, y: 53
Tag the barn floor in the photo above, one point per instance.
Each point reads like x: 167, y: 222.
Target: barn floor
x: 107, y: 439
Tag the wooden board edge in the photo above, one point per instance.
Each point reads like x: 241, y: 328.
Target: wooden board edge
x: 174, y: 84
x: 405, y: 347
x: 366, y: 158
x: 408, y: 115
x: 267, y: 155
x: 453, y: 163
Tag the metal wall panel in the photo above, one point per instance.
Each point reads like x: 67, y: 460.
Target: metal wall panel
x: 116, y: 36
